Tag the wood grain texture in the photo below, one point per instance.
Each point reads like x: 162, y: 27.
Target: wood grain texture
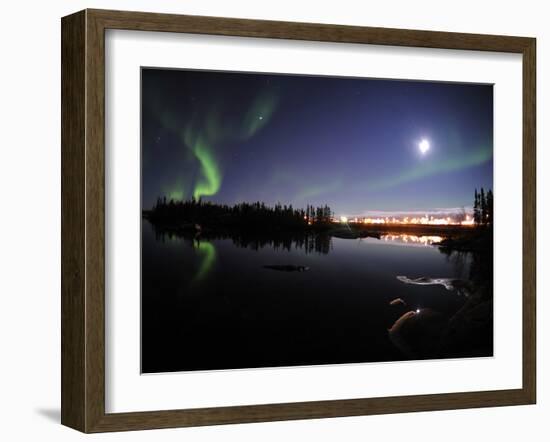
x: 529, y: 221
x: 145, y: 21
x: 83, y: 220
x: 95, y: 222
x: 307, y: 410
x: 73, y: 129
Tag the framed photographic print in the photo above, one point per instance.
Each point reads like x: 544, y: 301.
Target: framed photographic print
x: 269, y: 220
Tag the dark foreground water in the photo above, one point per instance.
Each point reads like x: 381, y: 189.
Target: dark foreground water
x: 211, y: 304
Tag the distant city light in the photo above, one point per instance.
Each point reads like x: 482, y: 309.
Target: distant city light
x: 466, y: 220
x: 451, y: 217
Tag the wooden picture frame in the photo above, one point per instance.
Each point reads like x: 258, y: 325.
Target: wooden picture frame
x: 83, y: 220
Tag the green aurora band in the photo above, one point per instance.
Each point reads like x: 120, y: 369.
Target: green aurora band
x: 310, y: 192
x: 476, y: 158
x: 211, y: 179
x: 201, y: 137
x: 176, y: 195
x: 175, y: 191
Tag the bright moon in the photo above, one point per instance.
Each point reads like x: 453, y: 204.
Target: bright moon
x: 424, y: 146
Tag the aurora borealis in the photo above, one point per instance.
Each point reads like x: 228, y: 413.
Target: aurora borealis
x: 346, y: 142
x: 386, y: 170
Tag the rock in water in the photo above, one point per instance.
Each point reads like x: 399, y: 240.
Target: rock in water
x: 287, y: 268
x: 418, y: 334
x: 398, y: 301
x: 463, y: 287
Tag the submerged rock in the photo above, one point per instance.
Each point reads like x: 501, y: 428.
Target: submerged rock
x: 418, y: 333
x: 425, y: 333
x: 287, y: 268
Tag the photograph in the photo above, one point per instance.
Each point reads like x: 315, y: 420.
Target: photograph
x: 303, y: 220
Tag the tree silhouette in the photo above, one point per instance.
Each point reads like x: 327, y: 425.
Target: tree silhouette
x: 256, y: 215
x: 483, y: 207
x: 489, y: 205
x: 477, y: 209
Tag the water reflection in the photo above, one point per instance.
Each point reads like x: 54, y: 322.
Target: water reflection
x: 406, y: 239
x: 309, y: 242
x: 301, y: 305
x: 320, y: 243
x: 207, y: 253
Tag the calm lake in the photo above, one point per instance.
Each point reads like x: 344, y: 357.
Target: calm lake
x: 211, y: 304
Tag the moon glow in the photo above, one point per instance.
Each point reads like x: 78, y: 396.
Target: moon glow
x: 424, y: 146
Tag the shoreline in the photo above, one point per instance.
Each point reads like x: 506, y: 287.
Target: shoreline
x: 418, y: 229
x: 453, y: 237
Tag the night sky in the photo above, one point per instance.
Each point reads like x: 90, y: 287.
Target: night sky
x: 353, y: 144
